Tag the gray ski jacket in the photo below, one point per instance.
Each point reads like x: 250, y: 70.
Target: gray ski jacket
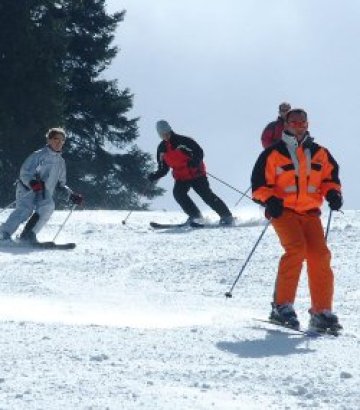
x: 46, y: 165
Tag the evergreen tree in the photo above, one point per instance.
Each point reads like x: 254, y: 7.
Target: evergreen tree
x: 106, y: 164
x: 31, y: 95
x: 51, y: 69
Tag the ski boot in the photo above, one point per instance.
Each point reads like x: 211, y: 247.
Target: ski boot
x: 284, y: 315
x: 195, y: 220
x: 227, y: 220
x: 28, y: 237
x: 324, y: 322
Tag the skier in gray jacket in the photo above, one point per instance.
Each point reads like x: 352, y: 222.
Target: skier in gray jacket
x: 42, y: 172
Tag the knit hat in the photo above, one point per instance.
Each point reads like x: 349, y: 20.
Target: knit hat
x: 296, y: 111
x: 163, y: 127
x: 54, y: 131
x: 284, y: 106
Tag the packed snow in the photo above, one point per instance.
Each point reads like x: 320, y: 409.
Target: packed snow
x: 137, y: 318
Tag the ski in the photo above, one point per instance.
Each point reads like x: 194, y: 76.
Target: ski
x: 197, y: 225
x: 53, y: 245
x: 157, y: 225
x: 38, y: 245
x: 192, y: 224
x: 214, y: 225
x: 305, y: 332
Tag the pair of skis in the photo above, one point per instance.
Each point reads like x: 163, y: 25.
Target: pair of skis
x: 306, y: 332
x: 190, y: 224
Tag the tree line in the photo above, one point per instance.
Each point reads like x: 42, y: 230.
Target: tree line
x: 52, y: 58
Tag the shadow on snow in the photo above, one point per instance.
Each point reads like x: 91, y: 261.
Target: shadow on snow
x: 276, y: 343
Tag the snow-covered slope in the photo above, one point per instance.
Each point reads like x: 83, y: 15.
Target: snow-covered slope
x: 136, y: 318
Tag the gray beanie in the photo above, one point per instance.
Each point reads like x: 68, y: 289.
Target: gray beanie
x: 162, y: 127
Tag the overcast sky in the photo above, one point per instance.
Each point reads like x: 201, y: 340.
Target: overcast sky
x: 217, y: 70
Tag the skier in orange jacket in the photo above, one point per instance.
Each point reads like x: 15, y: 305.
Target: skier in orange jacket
x: 291, y: 178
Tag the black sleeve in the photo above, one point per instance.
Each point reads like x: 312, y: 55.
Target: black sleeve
x: 258, y: 178
x: 190, y: 147
x: 163, y: 169
x: 335, y: 172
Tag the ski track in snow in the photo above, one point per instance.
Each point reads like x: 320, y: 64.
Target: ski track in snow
x: 137, y: 318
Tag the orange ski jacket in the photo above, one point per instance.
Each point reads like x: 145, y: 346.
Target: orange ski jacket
x: 299, y: 173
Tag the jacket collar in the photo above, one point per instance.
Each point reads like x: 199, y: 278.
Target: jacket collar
x: 51, y: 151
x: 292, y: 141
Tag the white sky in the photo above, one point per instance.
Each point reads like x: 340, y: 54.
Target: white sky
x: 217, y: 70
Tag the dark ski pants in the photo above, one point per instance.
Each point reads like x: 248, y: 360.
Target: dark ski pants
x: 202, y: 188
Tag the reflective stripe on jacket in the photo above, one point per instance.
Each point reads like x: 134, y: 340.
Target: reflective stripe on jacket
x: 300, y: 174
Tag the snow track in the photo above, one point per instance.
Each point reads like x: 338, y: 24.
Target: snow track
x: 136, y: 318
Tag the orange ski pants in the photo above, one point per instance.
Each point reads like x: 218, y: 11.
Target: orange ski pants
x: 302, y: 237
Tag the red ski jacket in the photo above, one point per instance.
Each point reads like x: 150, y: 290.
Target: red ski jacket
x: 272, y: 132
x: 183, y: 155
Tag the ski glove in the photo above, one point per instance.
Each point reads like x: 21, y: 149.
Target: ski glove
x: 153, y: 176
x: 75, y: 198
x: 37, y: 185
x: 274, y: 207
x: 193, y: 162
x: 334, y: 199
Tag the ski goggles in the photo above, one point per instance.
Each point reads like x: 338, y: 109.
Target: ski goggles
x: 297, y: 124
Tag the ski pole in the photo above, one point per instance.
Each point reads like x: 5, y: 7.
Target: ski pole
x: 230, y: 186
x: 63, y: 224
x: 127, y: 217
x: 328, y: 225
x: 242, y: 196
x: 142, y: 193
x: 229, y: 293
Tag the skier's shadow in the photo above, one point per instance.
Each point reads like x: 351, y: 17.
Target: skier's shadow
x: 276, y: 343
x: 20, y: 250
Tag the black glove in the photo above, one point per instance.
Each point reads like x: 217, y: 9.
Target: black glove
x: 37, y: 185
x: 274, y: 207
x: 153, y: 177
x: 334, y: 199
x: 193, y: 163
x: 75, y: 198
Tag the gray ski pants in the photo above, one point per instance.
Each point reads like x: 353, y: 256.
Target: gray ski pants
x: 27, y: 202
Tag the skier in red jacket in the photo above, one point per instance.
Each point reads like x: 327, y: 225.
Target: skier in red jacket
x: 273, y: 131
x: 185, y: 157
